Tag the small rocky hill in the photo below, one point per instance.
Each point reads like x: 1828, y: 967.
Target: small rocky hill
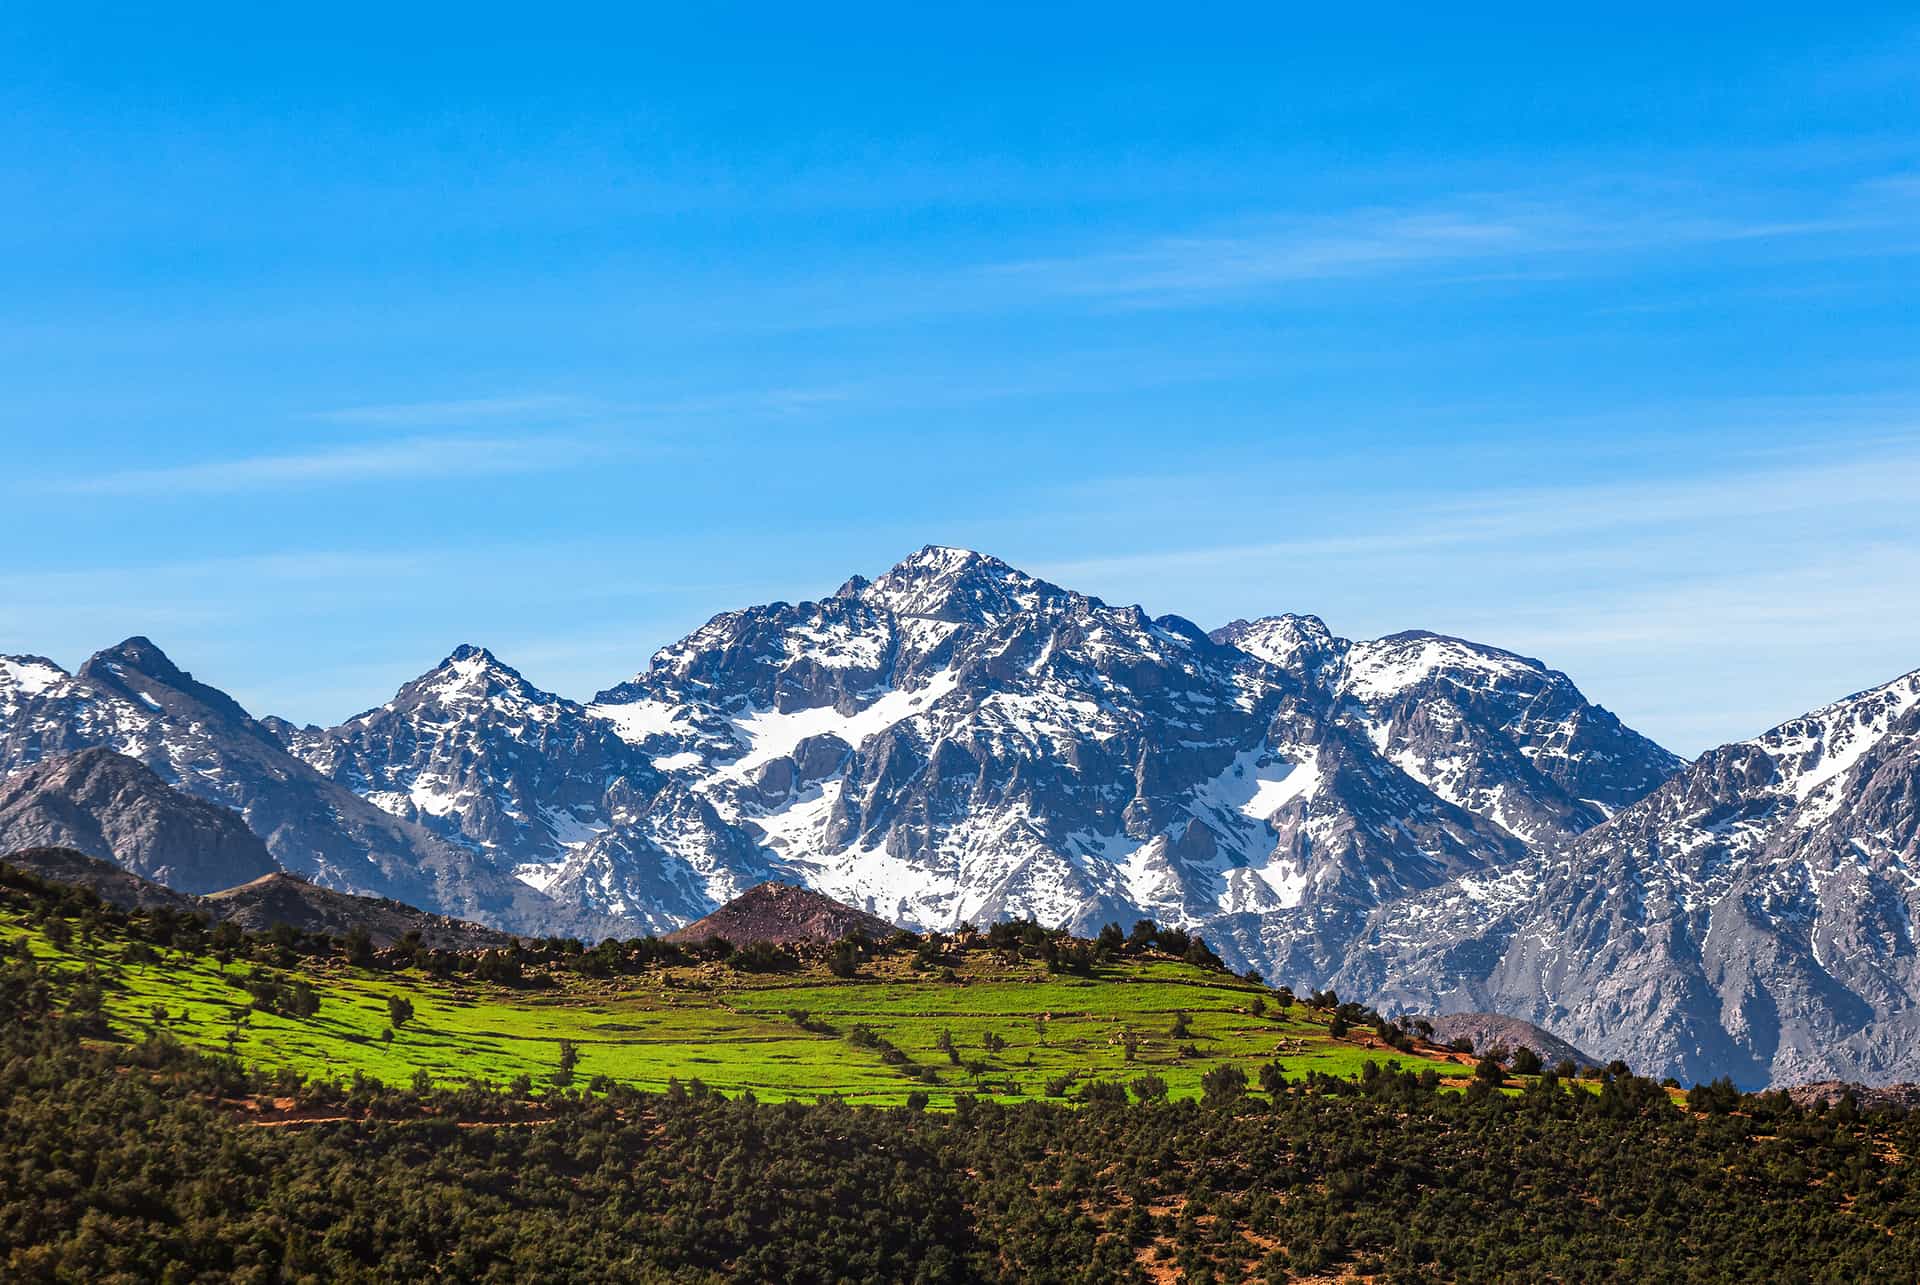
x: 785, y: 915
x: 1489, y: 1029
x: 109, y: 882
x: 288, y: 899
x: 278, y: 898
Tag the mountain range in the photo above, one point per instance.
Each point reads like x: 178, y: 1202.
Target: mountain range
x: 1429, y: 823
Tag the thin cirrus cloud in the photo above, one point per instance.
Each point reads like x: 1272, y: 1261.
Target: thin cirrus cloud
x: 558, y: 408
x: 406, y: 459
x: 463, y: 411
x: 1879, y: 478
x: 1376, y: 241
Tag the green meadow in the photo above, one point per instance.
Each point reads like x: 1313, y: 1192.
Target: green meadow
x: 1001, y: 1029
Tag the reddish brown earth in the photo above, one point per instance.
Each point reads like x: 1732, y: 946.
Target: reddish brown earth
x: 784, y: 915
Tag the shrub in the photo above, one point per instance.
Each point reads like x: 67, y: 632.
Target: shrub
x: 1149, y: 1088
x: 1224, y: 1083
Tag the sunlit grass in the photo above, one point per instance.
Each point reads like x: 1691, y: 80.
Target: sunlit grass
x: 732, y: 1030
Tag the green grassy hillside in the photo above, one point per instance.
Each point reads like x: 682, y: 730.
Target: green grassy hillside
x: 992, y: 1023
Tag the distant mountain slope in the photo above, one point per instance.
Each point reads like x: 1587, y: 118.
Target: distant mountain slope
x: 132, y: 699
x: 783, y: 914
x: 110, y: 806
x: 1751, y: 917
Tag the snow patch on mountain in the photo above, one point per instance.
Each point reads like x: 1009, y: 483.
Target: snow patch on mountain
x: 639, y: 721
x: 1387, y: 666
x: 772, y: 734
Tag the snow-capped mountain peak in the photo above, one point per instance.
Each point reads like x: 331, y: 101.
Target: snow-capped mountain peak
x: 1385, y: 667
x: 1823, y: 744
x: 958, y: 739
x: 471, y: 674
x: 957, y: 585
x: 21, y: 679
x: 478, y: 755
x: 1289, y: 641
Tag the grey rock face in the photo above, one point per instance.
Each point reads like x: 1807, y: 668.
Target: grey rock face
x: 1751, y: 917
x: 106, y: 805
x: 133, y: 700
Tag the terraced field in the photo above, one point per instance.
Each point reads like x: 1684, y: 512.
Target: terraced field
x: 1001, y: 1029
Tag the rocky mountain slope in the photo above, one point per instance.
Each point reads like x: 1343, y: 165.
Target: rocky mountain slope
x: 134, y: 700
x: 1751, y: 917
x: 110, y: 806
x: 1491, y: 1030
x: 288, y: 899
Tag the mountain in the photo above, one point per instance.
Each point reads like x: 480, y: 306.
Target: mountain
x: 109, y: 806
x: 1753, y: 916
x: 259, y: 904
x: 958, y: 740
x: 131, y: 698
x: 783, y: 914
x: 1498, y: 734
x: 109, y: 882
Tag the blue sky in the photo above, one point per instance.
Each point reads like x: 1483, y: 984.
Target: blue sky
x: 331, y: 339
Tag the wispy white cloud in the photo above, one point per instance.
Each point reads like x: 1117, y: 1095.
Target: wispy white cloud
x: 470, y: 410
x: 410, y: 459
x: 1781, y: 583
x: 556, y: 409
x: 1494, y: 236
x: 1885, y: 475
